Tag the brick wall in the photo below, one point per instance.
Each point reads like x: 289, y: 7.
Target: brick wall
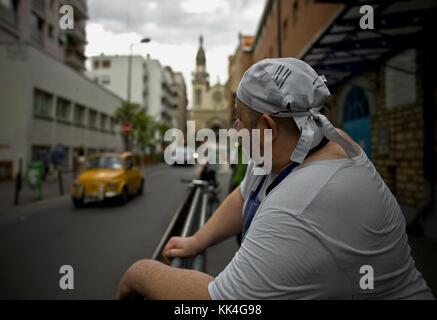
x: 401, y: 167
x: 398, y: 152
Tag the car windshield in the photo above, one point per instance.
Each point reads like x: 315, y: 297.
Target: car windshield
x: 104, y: 163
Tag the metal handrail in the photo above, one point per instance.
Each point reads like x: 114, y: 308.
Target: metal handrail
x: 188, y: 225
x: 173, y: 225
x: 191, y: 215
x: 199, y: 261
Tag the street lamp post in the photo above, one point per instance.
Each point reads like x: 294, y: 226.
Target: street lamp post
x: 129, y: 85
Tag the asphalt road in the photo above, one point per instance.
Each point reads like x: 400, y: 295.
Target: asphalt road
x: 99, y: 242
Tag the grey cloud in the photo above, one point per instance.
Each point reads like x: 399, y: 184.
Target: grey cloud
x: 172, y: 24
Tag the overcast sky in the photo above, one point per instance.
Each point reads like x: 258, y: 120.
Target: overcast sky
x: 174, y: 27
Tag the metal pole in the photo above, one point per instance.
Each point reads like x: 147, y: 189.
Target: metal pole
x: 61, y: 183
x: 18, y: 181
x: 200, y: 261
x: 129, y: 75
x: 168, y: 232
x: 177, y: 262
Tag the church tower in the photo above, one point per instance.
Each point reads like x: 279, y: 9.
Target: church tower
x: 209, y: 106
x: 200, y: 78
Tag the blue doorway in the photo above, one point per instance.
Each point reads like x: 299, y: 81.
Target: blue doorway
x: 356, y: 118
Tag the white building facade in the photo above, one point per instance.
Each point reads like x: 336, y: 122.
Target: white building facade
x: 45, y: 103
x: 152, y: 86
x: 112, y: 72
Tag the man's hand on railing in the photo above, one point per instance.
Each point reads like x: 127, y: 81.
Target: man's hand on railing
x: 182, y: 248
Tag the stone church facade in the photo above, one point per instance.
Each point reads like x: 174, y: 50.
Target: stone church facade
x: 209, y: 108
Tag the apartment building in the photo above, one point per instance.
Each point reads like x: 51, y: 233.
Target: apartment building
x: 61, y: 107
x: 152, y: 86
x: 37, y: 22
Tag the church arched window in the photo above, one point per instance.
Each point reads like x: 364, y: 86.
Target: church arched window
x: 198, y: 97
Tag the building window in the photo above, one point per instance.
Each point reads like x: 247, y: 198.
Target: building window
x: 8, y: 11
x: 218, y: 97
x: 96, y: 64
x: 63, y: 108
x: 79, y: 115
x: 42, y: 103
x: 103, y: 121
x: 41, y: 153
x: 113, y: 123
x: 92, y: 120
x: 106, y: 64
x: 39, y: 5
x: 62, y: 39
x: 198, y: 97
x: 37, y: 28
x: 6, y: 171
x: 400, y: 79
x: 105, y: 80
x: 51, y: 32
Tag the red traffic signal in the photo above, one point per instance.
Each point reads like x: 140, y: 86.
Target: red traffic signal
x: 127, y: 128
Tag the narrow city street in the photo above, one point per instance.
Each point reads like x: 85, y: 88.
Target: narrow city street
x: 100, y: 242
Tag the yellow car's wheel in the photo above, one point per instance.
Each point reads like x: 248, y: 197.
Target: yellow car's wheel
x: 78, y: 203
x: 141, y: 188
x: 124, y: 196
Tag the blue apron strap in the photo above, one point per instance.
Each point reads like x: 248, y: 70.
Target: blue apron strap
x: 258, y: 189
x: 281, y: 176
x: 251, y: 207
x: 253, y: 202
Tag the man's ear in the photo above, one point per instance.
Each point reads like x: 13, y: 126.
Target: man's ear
x: 269, y: 123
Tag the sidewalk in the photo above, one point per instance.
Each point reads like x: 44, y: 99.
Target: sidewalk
x: 50, y: 188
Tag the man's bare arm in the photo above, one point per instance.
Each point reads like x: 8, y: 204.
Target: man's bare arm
x: 157, y: 281
x: 227, y: 221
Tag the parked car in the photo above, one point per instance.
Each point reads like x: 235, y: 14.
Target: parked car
x: 107, y: 176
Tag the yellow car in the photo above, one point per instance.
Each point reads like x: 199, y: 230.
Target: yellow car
x: 108, y: 175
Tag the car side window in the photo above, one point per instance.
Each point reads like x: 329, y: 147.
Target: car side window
x: 129, y: 163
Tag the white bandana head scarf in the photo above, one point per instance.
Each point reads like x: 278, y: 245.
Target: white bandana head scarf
x: 290, y: 88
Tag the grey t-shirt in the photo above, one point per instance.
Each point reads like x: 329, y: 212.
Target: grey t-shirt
x: 315, y: 231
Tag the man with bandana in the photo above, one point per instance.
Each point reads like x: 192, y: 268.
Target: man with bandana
x: 321, y: 225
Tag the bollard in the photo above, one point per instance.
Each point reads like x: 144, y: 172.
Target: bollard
x: 18, y: 182
x: 61, y: 184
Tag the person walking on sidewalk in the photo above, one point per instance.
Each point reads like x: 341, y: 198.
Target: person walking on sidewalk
x: 57, y: 158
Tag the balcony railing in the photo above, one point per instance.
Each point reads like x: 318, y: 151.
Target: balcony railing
x: 8, y: 16
x: 39, y: 6
x: 38, y: 37
x: 81, y: 8
x: 74, y: 59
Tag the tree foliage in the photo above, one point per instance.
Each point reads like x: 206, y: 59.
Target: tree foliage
x: 147, y: 133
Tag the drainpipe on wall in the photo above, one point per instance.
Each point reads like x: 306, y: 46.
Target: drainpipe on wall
x: 278, y: 28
